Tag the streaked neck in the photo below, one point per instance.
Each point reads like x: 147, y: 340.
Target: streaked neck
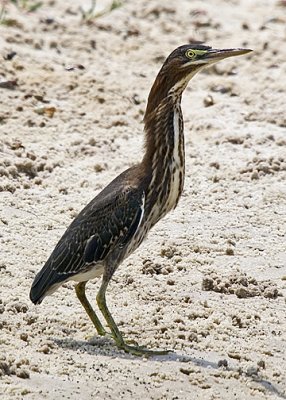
x: 164, y: 154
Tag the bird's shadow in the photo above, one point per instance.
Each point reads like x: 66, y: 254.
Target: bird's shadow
x: 105, y: 347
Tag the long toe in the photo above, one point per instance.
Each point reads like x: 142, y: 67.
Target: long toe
x: 140, y: 351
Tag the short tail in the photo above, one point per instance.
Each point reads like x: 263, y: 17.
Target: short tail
x: 56, y: 270
x: 46, y: 282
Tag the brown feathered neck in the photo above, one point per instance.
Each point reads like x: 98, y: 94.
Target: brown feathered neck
x: 164, y: 97
x: 166, y: 79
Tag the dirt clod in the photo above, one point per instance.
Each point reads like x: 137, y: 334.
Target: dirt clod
x: 240, y: 284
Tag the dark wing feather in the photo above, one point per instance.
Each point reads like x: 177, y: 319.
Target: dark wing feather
x: 107, y: 222
x: 116, y: 228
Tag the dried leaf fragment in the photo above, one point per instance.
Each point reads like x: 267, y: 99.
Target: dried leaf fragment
x: 48, y: 111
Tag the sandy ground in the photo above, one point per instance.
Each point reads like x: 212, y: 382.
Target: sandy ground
x: 210, y: 281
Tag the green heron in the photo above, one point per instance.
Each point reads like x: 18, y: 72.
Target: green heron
x: 118, y: 219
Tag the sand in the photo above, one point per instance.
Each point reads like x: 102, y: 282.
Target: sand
x: 209, y: 283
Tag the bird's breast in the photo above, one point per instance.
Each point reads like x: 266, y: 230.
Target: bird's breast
x: 167, y: 172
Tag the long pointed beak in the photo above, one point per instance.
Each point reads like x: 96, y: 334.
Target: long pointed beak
x: 216, y: 54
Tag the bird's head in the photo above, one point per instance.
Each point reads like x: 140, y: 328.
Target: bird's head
x: 181, y: 65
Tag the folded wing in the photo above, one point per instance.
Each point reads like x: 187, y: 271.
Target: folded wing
x: 107, y: 223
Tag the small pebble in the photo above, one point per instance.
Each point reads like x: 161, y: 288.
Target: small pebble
x: 261, y: 364
x: 252, y: 371
x: 254, y: 175
x: 23, y: 374
x: 24, y: 336
x: 222, y: 363
x: 208, y: 101
x: 229, y: 251
x: 44, y: 349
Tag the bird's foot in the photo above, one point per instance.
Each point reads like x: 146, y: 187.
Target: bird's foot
x: 140, y: 351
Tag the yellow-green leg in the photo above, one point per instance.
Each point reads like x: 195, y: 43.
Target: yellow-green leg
x: 138, y: 351
x: 80, y: 292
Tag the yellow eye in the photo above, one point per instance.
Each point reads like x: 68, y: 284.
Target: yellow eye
x: 190, y: 53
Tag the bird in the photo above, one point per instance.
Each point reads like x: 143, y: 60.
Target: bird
x: 118, y: 219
